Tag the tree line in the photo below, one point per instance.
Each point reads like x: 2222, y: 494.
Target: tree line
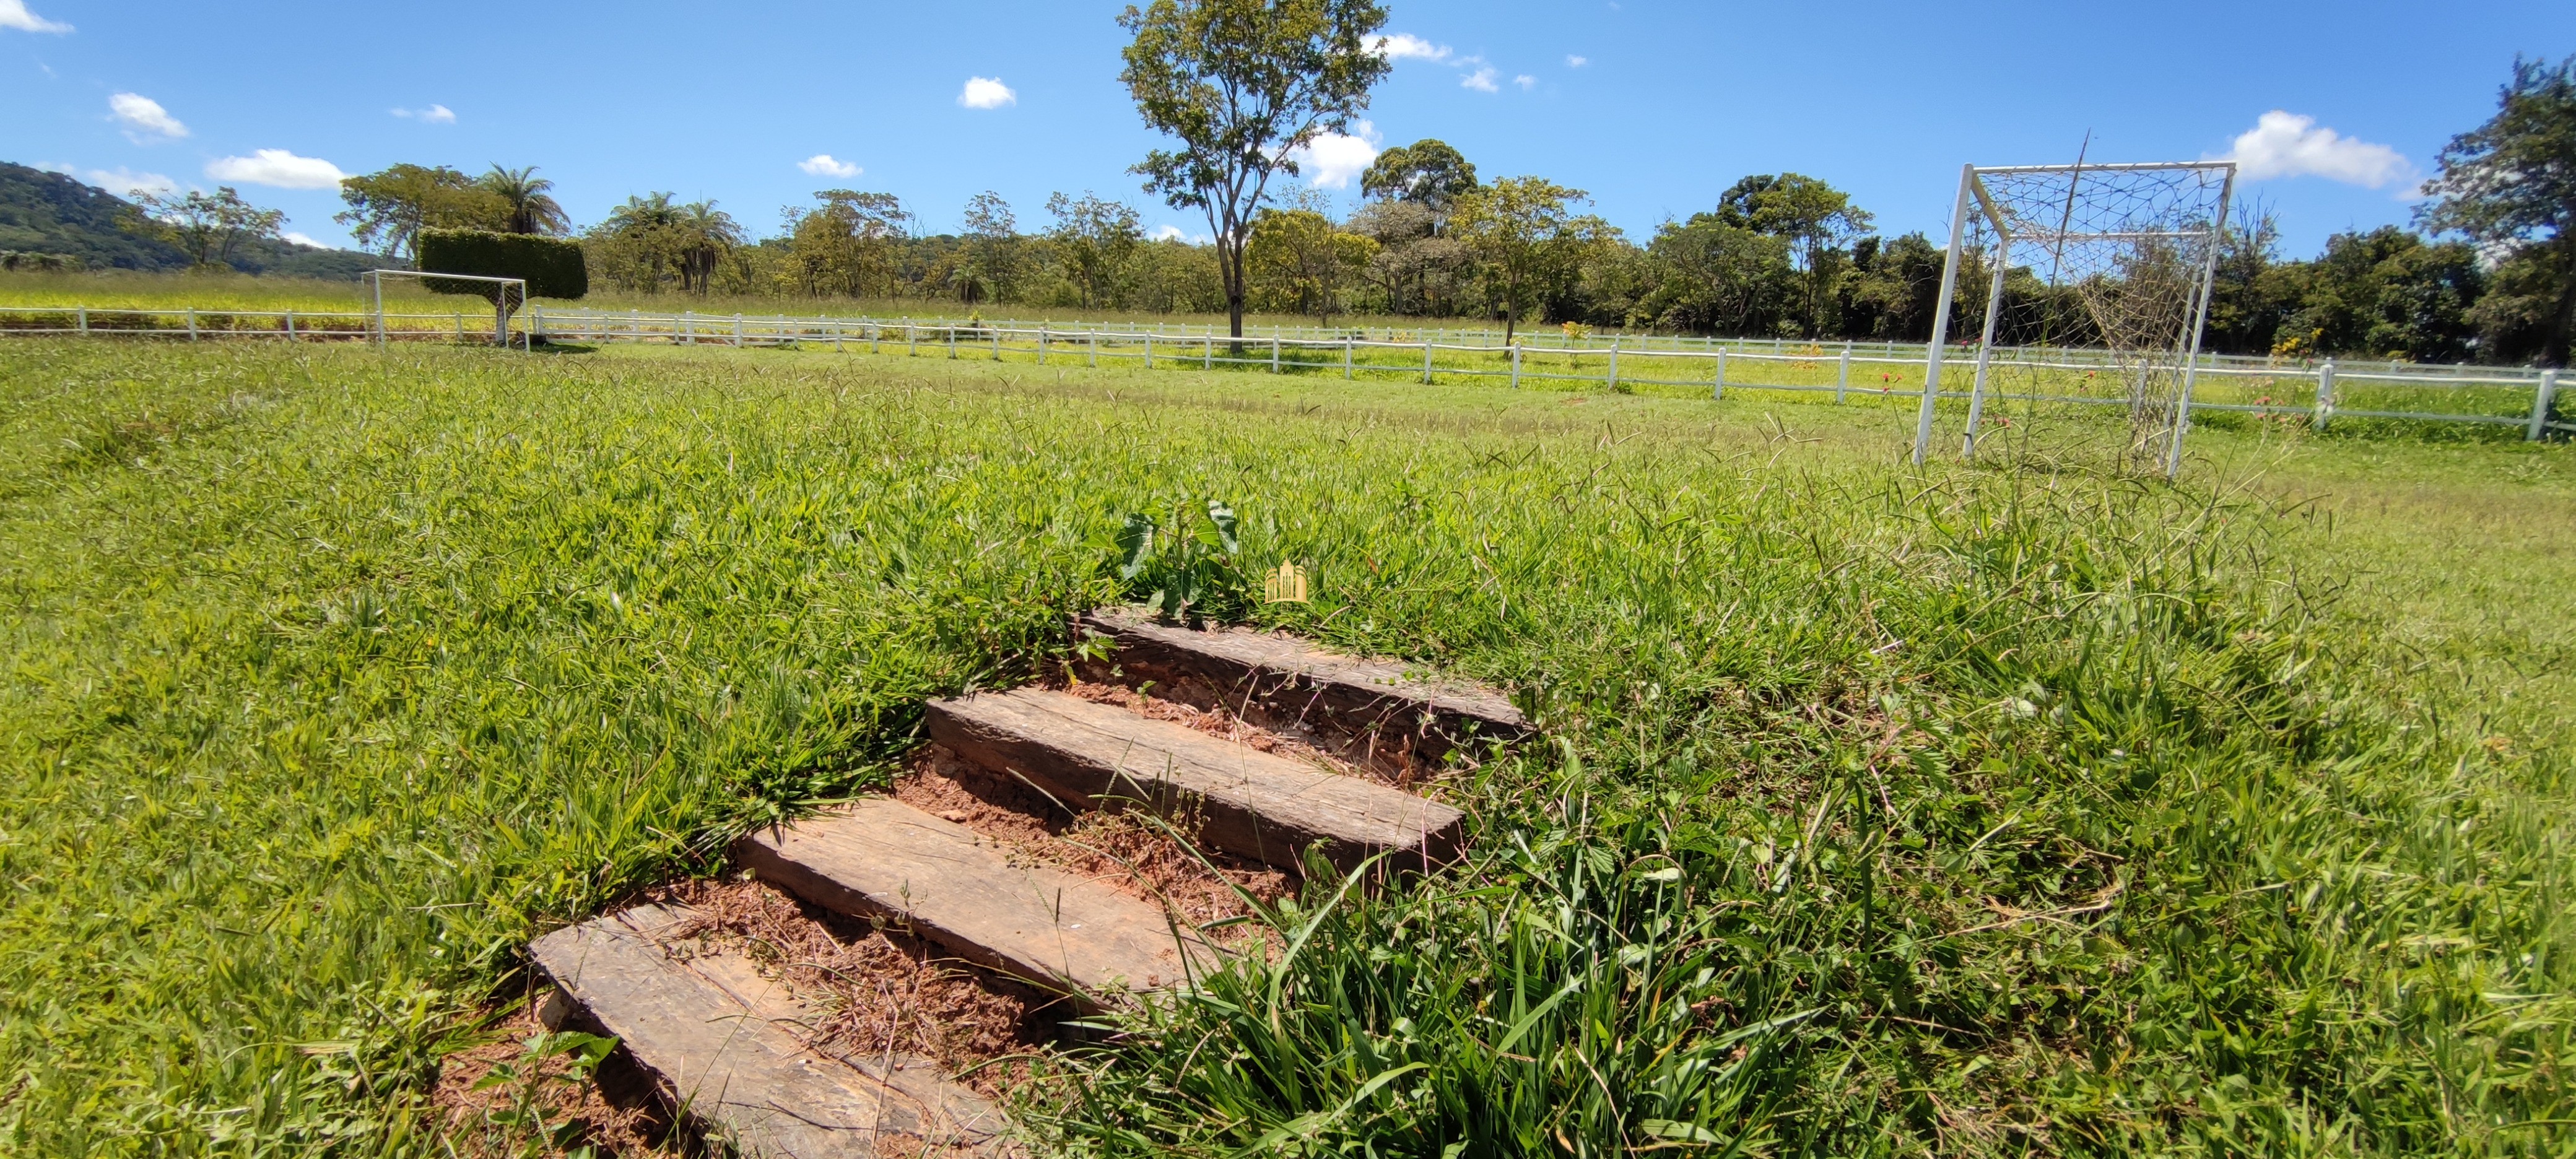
x: 2488, y: 274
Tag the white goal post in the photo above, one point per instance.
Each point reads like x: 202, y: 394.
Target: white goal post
x: 2121, y: 257
x: 508, y: 294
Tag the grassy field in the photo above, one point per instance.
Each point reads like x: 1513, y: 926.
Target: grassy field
x: 2006, y: 808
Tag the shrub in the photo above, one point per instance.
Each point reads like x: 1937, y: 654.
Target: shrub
x: 552, y: 266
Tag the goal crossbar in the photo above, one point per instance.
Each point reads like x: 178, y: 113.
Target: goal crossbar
x: 503, y: 301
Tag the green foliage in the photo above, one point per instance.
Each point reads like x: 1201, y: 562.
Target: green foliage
x: 1188, y: 571
x: 525, y: 1125
x: 390, y: 207
x: 553, y: 267
x: 1530, y: 240
x: 207, y: 226
x: 1429, y: 172
x: 650, y: 242
x: 2510, y: 185
x: 1096, y: 239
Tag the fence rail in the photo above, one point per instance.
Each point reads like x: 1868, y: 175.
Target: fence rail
x: 2320, y: 392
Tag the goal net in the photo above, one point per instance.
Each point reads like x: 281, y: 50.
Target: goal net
x: 506, y: 295
x: 2096, y: 290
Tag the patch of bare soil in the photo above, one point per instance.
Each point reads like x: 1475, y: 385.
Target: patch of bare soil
x: 1124, y: 849
x: 533, y: 1100
x: 874, y: 994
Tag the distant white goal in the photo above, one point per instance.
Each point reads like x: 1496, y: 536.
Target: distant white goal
x: 2098, y: 284
x: 505, y: 294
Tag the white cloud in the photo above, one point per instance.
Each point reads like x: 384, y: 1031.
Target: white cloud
x: 279, y: 168
x: 1577, y: 61
x: 2284, y: 144
x: 1406, y: 46
x: 14, y: 14
x: 144, y: 119
x: 303, y: 240
x: 434, y: 115
x: 1481, y: 80
x: 986, y: 92
x: 1526, y: 81
x: 1169, y: 233
x: 826, y: 165
x: 1333, y: 159
x: 126, y: 182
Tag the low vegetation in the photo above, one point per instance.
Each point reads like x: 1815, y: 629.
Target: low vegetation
x: 1990, y: 809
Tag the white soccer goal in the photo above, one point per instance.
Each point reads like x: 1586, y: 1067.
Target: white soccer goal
x: 506, y: 295
x: 2098, y: 284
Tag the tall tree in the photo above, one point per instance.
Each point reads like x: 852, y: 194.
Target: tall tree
x: 387, y: 207
x: 1816, y: 218
x: 1530, y: 241
x: 1096, y: 240
x: 2510, y: 186
x: 529, y: 208
x: 991, y: 264
x: 208, y: 226
x: 1428, y: 173
x: 1243, y: 85
x: 702, y: 236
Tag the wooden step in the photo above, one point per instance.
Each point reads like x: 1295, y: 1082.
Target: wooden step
x: 885, y: 859
x: 714, y: 1039
x: 1240, y: 800
x: 1379, y: 712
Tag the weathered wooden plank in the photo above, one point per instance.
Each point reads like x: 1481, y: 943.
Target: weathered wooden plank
x: 1239, y: 799
x: 959, y: 889
x: 713, y: 1038
x: 1376, y: 712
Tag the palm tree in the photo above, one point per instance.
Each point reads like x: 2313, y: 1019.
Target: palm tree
x: 706, y: 235
x: 531, y: 211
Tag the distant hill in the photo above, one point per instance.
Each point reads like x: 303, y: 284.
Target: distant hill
x: 50, y: 213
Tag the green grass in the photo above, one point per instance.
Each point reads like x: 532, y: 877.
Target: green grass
x: 1999, y: 808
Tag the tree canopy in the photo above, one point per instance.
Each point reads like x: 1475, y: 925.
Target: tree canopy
x: 2510, y: 185
x: 1427, y: 172
x: 1243, y: 85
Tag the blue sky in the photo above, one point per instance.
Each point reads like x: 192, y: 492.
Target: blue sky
x: 1653, y: 107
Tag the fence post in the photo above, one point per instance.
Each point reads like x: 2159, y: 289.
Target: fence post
x: 2540, y: 405
x: 2325, y: 394
x: 737, y: 331
x: 1719, y: 391
x: 1042, y: 343
x: 995, y: 332
x: 1207, y: 350
x: 83, y: 313
x: 1149, y: 350
x: 1842, y: 378
x: 192, y: 323
x: 911, y: 341
x: 1091, y: 348
x: 1426, y: 362
x: 1614, y: 364
x: 952, y: 343
x: 1516, y: 366
x: 836, y: 334
x: 1274, y: 350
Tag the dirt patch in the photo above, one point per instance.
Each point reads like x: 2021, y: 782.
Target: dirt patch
x: 533, y: 1100
x: 873, y: 993
x: 1123, y: 849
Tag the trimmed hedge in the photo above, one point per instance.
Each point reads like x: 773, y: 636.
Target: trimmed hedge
x: 552, y: 266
